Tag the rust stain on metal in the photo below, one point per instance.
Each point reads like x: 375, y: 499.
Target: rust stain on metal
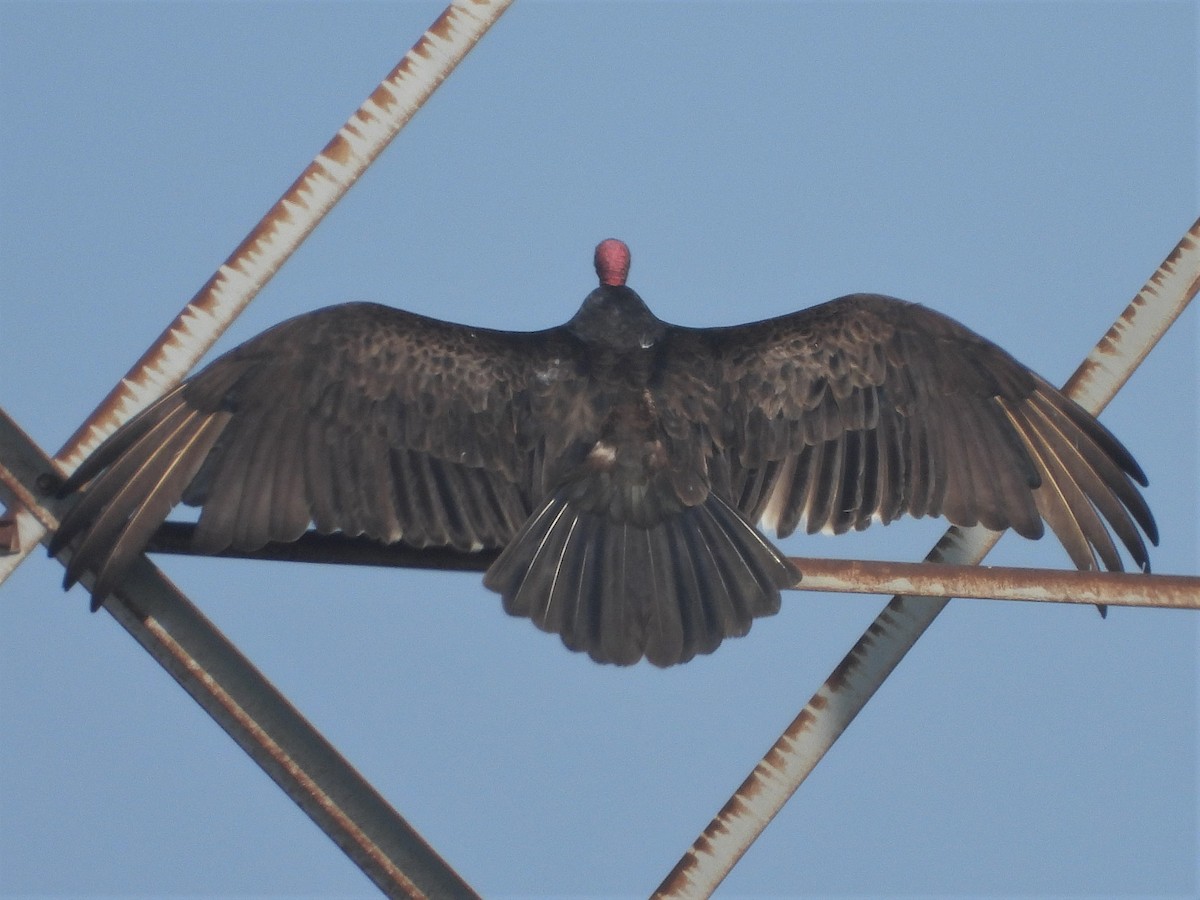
x: 804, y: 720
x: 1139, y: 326
x: 383, y: 96
x: 338, y: 150
x: 942, y: 580
x: 735, y: 807
x: 776, y: 758
x: 923, y: 580
x: 423, y: 47
x: 843, y: 671
x: 1089, y: 367
x: 197, y: 326
x: 260, y: 234
x: 901, y: 623
x: 751, y: 788
x: 1171, y: 264
x: 679, y: 877
x: 443, y: 26
x: 363, y: 116
x: 168, y: 359
x: 718, y: 828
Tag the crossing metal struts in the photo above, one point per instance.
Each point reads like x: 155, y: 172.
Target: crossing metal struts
x: 296, y: 756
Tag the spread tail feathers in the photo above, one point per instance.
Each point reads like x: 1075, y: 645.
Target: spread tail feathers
x: 620, y: 591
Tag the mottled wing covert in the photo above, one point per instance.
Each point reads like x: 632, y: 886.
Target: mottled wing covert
x: 866, y: 408
x: 359, y: 418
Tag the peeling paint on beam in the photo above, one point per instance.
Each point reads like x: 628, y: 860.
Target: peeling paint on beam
x: 282, y: 230
x: 1000, y: 583
x: 833, y: 707
x: 335, y: 169
x: 1135, y: 332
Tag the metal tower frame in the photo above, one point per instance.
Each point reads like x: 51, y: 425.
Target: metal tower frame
x: 285, y: 744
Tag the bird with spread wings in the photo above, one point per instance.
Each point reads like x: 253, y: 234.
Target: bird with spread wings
x: 621, y: 463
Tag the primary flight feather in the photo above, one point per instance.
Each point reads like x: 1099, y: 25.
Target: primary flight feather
x: 620, y: 462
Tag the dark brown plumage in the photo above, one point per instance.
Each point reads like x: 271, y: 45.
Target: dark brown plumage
x: 619, y: 461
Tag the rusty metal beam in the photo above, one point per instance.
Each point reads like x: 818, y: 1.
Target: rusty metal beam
x: 929, y: 579
x: 828, y: 575
x: 285, y: 226
x: 835, y: 704
x: 231, y: 690
x: 159, y: 617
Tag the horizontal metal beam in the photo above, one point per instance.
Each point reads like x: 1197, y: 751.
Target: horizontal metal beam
x: 929, y: 579
x: 830, y: 575
x: 335, y: 549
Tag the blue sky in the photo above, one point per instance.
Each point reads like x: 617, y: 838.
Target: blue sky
x: 1021, y: 167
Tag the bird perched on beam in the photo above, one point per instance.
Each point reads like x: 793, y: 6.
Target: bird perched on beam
x: 621, y: 462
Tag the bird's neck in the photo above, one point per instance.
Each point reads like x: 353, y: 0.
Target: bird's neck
x: 614, y: 316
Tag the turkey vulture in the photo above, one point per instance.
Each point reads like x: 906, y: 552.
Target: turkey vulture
x: 620, y: 462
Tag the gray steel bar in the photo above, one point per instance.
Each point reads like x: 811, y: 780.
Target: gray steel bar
x: 833, y: 707
x: 275, y: 735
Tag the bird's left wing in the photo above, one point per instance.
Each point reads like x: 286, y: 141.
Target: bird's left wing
x: 359, y: 418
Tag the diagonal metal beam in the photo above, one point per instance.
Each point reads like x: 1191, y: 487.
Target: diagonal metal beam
x: 159, y: 617
x: 833, y: 707
x: 285, y: 226
x: 260, y: 719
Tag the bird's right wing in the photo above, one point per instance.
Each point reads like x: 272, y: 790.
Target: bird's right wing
x: 866, y: 408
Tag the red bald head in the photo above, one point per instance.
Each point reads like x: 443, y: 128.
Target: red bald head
x: 612, y: 262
